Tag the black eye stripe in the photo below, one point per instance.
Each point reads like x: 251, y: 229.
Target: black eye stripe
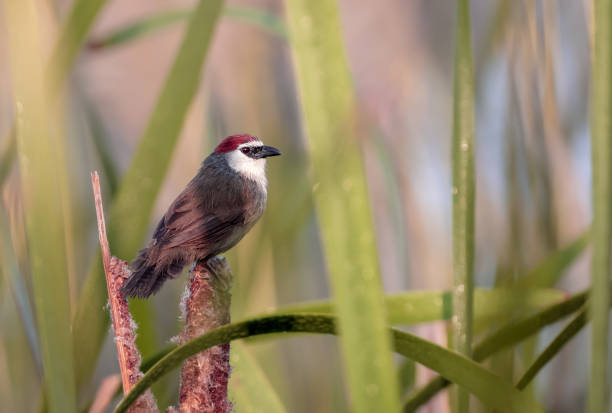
x: 248, y: 150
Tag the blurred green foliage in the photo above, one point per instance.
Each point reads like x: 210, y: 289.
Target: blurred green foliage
x: 360, y: 200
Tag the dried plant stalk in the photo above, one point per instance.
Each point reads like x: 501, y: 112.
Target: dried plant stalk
x: 124, y: 328
x: 206, y: 305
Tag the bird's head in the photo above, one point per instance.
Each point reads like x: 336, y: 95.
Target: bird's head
x: 246, y: 155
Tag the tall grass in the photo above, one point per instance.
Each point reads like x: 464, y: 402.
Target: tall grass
x: 463, y: 193
x: 332, y: 99
x: 39, y: 147
x: 601, y: 146
x: 342, y: 202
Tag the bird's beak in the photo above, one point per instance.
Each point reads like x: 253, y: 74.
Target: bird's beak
x: 268, y: 151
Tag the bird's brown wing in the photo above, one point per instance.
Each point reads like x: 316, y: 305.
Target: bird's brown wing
x: 189, y: 223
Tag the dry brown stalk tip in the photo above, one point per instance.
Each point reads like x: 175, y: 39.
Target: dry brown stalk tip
x: 124, y: 328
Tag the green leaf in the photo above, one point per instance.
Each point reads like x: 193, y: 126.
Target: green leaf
x: 407, y: 375
x: 71, y: 37
x: 464, y: 189
x: 342, y: 202
x: 72, y: 34
x: 16, y: 286
x: 39, y: 147
x: 601, y: 161
x: 572, y: 328
x: 548, y: 272
x: 490, y: 388
x: 506, y: 336
x: 139, y: 28
x: 413, y: 307
x: 151, y: 24
x: 249, y: 386
x: 130, y: 213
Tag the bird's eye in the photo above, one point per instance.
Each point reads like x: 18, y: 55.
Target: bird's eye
x: 245, y: 150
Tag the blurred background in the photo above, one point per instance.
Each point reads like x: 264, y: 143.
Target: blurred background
x: 532, y: 70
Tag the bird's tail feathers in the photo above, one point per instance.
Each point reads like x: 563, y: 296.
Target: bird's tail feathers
x: 148, y: 275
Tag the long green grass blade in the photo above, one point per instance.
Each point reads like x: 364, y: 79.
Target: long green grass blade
x: 130, y: 213
x: 151, y: 24
x: 463, y: 193
x: 342, y: 202
x: 39, y: 156
x: 249, y: 387
x: 140, y: 28
x: 16, y: 286
x: 506, y: 336
x: 553, y: 348
x: 548, y: 272
x: 71, y: 38
x: 72, y: 34
x: 601, y: 147
x: 517, y: 330
x: 414, y: 307
x: 490, y: 388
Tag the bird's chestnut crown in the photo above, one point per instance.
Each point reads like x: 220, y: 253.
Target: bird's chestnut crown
x: 231, y: 143
x: 246, y: 145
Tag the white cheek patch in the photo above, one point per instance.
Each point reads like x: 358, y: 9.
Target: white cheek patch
x: 254, y: 169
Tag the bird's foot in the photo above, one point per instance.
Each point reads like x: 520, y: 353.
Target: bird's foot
x: 219, y: 268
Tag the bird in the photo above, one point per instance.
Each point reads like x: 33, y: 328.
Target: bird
x: 216, y: 209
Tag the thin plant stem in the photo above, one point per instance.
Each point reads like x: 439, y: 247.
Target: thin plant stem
x: 116, y: 272
x: 601, y: 145
x: 463, y: 194
x: 553, y: 348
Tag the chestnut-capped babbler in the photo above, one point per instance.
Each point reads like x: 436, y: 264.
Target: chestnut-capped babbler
x: 216, y: 209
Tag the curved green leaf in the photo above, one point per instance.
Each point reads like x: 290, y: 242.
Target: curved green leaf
x: 490, y: 388
x: 516, y: 331
x: 255, y: 16
x: 507, y: 335
x: 553, y: 348
x: 548, y: 272
x: 130, y: 213
x: 413, y: 307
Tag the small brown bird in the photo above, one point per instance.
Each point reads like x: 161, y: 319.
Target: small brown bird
x: 216, y: 209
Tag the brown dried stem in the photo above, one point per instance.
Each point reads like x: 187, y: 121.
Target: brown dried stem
x: 116, y: 272
x: 206, y: 305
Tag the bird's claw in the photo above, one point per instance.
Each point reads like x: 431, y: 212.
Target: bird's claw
x: 220, y: 269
